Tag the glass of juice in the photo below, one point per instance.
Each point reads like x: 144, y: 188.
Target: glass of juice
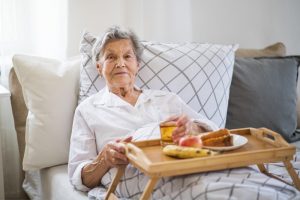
x: 166, y: 130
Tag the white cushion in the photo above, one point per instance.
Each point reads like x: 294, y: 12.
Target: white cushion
x: 199, y: 73
x: 50, y: 89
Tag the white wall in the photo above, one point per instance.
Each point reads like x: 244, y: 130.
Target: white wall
x: 250, y: 23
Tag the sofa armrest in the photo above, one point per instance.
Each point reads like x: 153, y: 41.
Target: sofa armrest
x: 19, y: 110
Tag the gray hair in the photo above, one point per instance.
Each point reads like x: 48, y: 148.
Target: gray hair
x: 116, y: 33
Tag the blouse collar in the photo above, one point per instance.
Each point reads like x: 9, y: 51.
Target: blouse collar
x: 107, y: 98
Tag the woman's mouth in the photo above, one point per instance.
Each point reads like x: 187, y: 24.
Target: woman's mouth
x: 120, y: 73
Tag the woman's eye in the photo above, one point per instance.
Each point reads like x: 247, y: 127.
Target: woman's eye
x: 128, y: 56
x: 110, y: 57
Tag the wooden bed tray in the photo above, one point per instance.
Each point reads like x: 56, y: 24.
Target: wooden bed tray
x: 264, y: 146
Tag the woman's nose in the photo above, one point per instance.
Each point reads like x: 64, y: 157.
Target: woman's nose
x: 120, y: 62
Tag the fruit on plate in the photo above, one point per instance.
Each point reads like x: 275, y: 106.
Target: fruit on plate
x: 186, y: 152
x: 190, y: 141
x: 219, y: 138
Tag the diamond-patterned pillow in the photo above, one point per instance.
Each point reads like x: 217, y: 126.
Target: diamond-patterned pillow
x: 199, y: 73
x: 90, y: 82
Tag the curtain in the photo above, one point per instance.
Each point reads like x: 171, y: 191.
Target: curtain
x: 8, y: 34
x: 34, y: 27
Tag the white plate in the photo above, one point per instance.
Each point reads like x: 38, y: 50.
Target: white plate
x: 238, y: 141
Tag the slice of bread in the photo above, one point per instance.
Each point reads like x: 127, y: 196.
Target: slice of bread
x: 220, y: 138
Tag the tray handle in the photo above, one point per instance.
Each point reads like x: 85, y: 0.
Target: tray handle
x: 136, y: 154
x: 273, y: 137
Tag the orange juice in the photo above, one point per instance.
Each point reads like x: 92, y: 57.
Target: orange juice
x: 166, y: 130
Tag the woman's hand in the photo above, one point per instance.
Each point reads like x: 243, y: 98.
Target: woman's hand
x: 184, y: 126
x: 112, y: 155
x: 114, y: 152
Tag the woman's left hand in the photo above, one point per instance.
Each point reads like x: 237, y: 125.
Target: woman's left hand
x: 184, y: 126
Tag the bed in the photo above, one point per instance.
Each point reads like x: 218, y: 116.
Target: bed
x: 43, y: 145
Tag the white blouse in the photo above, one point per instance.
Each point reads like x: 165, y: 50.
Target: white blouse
x: 105, y: 116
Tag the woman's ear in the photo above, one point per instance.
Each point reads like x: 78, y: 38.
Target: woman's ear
x: 138, y: 68
x: 99, y: 68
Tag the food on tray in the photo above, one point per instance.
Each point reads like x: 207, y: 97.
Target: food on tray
x: 186, y: 152
x: 190, y: 141
x: 220, y: 138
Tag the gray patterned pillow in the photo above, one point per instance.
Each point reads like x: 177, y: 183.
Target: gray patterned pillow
x: 199, y: 73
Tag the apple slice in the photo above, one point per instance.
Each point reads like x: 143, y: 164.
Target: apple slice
x: 190, y: 141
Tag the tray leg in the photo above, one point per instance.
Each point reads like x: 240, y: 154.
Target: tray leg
x: 289, y: 167
x: 115, y: 182
x: 262, y: 168
x: 149, y: 187
x: 290, y: 170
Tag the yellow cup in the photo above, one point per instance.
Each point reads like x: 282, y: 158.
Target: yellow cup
x: 166, y: 130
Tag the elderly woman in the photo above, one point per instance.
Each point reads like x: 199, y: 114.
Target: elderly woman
x: 122, y: 112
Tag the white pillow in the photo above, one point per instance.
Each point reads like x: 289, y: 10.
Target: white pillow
x: 50, y: 89
x: 199, y: 73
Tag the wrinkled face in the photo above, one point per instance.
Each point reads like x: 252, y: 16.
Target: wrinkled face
x: 118, y: 63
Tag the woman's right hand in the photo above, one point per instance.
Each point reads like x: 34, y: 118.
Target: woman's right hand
x: 112, y: 155
x: 114, y: 152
